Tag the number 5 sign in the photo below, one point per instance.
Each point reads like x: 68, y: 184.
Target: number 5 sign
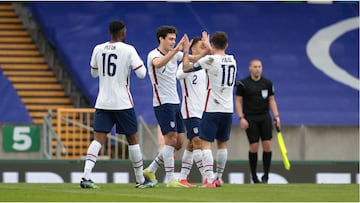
x: 21, y: 138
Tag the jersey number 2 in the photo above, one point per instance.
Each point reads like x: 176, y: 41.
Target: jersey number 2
x: 108, y: 64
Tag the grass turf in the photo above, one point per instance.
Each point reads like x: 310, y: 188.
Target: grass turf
x: 68, y: 192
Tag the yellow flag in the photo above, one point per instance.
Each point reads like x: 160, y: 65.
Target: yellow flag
x: 283, y: 150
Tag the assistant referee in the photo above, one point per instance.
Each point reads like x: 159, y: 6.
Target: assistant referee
x: 254, y: 98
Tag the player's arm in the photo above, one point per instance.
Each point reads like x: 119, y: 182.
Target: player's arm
x: 162, y: 61
x: 187, y: 66
x: 140, y: 71
x: 239, y: 111
x: 180, y: 73
x: 240, y: 87
x: 94, y: 72
x: 275, y: 111
x: 137, y: 64
x: 207, y: 48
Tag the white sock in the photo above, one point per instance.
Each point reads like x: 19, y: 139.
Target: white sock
x: 91, y: 157
x: 197, y: 155
x: 137, y: 162
x: 186, y: 164
x: 157, y: 162
x: 168, y: 155
x: 208, y: 162
x: 221, y: 158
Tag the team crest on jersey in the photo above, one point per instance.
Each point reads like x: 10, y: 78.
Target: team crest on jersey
x: 196, y: 130
x: 264, y: 93
x: 172, y: 124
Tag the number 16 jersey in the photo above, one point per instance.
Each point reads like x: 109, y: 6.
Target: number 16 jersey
x: 114, y: 62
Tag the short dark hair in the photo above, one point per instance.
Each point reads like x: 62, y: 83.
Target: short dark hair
x: 116, y: 26
x: 162, y: 31
x: 195, y: 40
x: 219, y: 40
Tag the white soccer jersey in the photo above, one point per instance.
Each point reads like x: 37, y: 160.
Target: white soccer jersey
x: 114, y: 62
x: 194, y: 91
x: 222, y: 75
x: 163, y: 79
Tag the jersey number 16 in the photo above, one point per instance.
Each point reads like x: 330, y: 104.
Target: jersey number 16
x: 108, y: 64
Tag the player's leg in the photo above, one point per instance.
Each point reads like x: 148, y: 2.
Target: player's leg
x: 126, y: 124
x: 192, y: 126
x: 102, y: 125
x: 253, y: 138
x: 186, y: 164
x: 222, y: 137
x: 197, y: 155
x: 221, y: 159
x: 150, y: 171
x: 266, y: 132
x: 154, y: 165
x: 167, y: 116
x: 186, y: 161
x: 208, y: 129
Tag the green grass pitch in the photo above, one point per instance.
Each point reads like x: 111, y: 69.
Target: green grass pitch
x: 68, y: 192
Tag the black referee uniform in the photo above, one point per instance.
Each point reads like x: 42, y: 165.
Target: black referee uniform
x: 255, y: 102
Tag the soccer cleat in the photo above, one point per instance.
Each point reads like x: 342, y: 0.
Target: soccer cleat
x: 218, y: 182
x: 264, y: 179
x: 150, y: 176
x: 176, y: 183
x: 146, y: 184
x: 208, y: 185
x: 186, y: 182
x: 255, y: 180
x: 87, y: 184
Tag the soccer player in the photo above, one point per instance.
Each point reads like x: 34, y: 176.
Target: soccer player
x: 217, y: 117
x: 254, y: 97
x: 112, y: 62
x: 162, y: 63
x: 194, y: 89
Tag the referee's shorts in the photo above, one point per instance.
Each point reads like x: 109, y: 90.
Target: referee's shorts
x: 260, y: 127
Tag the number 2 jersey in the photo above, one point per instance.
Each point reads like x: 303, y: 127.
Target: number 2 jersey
x: 221, y: 71
x: 114, y: 62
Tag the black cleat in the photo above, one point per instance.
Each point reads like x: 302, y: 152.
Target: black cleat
x: 87, y: 184
x: 264, y: 179
x: 255, y: 180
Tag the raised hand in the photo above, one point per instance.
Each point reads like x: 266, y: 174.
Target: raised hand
x: 186, y: 43
x: 205, y: 38
x: 179, y: 46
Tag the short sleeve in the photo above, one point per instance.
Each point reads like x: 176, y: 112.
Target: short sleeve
x: 240, y: 88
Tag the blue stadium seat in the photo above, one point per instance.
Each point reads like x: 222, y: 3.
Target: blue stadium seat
x: 12, y: 109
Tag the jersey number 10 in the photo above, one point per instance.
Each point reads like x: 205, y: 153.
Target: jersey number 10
x: 228, y: 75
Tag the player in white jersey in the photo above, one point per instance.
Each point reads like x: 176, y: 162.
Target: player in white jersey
x: 217, y: 117
x: 112, y: 62
x: 162, y: 63
x: 194, y: 89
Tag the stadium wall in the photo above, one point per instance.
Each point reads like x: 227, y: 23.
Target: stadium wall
x: 236, y: 172
x: 309, y: 143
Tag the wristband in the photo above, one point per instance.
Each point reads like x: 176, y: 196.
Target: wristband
x: 197, y: 66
